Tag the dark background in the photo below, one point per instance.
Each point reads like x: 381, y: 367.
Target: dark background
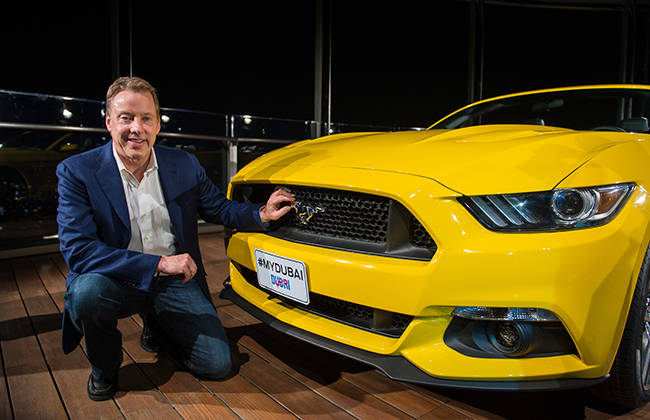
x: 392, y: 63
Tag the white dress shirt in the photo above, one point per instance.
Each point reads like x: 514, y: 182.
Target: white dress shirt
x: 151, y: 229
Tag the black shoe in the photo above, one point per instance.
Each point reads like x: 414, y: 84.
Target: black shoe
x: 148, y: 340
x: 100, y: 390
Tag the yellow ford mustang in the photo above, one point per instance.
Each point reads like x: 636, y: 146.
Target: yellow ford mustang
x: 505, y: 247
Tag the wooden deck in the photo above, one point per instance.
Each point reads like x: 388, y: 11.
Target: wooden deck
x: 276, y: 376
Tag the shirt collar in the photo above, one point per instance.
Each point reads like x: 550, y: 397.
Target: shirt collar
x: 153, y: 163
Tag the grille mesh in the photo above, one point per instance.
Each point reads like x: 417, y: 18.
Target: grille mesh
x: 348, y: 215
x: 419, y: 237
x: 347, y: 220
x: 349, y: 310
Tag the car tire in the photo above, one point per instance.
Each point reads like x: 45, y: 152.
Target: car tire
x: 629, y: 381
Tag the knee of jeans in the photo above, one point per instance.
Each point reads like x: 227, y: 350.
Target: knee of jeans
x: 83, y: 296
x: 215, y: 367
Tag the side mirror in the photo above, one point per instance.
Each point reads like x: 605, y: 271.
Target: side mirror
x: 636, y: 125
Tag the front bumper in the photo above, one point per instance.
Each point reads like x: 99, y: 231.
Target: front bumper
x: 399, y: 368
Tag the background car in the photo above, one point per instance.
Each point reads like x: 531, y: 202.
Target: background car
x: 28, y: 160
x: 505, y: 247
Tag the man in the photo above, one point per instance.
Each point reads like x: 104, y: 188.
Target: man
x: 128, y: 231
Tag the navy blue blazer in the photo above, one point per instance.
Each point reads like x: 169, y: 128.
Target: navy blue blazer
x: 94, y: 225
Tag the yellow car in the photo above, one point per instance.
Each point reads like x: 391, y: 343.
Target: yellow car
x: 503, y: 248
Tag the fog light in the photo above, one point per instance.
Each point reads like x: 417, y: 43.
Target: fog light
x: 508, y: 339
x: 507, y: 335
x: 513, y: 338
x: 504, y: 314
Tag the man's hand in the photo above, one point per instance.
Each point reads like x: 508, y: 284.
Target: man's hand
x: 273, y: 209
x: 178, y: 264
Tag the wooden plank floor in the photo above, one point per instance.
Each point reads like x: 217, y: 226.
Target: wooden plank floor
x: 275, y: 376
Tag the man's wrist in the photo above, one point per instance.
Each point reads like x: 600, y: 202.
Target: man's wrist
x: 266, y: 223
x: 262, y: 214
x: 159, y: 268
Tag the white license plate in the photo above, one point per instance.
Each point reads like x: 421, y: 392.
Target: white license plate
x: 282, y: 275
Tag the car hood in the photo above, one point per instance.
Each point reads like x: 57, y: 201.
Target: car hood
x: 474, y: 160
x: 12, y: 155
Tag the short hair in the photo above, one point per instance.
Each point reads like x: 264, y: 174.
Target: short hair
x: 135, y: 84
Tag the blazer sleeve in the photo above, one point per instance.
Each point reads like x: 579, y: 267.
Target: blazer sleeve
x: 84, y: 243
x: 216, y: 208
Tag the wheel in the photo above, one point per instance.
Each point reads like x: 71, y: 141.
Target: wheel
x: 629, y: 382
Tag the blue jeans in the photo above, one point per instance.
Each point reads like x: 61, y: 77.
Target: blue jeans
x: 184, y: 315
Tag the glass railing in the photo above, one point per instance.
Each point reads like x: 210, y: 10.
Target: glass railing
x: 39, y: 131
x: 28, y: 108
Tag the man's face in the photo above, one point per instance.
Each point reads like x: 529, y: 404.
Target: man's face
x: 134, y: 125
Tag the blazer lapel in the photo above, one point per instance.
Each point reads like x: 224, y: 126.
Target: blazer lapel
x: 110, y: 180
x: 167, y: 172
x: 171, y: 188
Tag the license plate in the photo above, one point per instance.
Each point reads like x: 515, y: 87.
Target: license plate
x: 282, y: 275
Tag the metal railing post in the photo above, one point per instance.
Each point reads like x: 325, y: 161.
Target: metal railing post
x: 232, y: 150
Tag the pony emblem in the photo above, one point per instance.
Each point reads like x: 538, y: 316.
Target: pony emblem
x: 304, y: 212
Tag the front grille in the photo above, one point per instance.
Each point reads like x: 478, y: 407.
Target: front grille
x: 391, y: 324
x: 347, y: 215
x: 347, y: 220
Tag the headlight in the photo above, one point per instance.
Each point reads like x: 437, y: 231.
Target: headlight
x: 568, y: 208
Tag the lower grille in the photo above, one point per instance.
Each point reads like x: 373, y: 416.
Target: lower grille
x: 346, y: 220
x: 391, y: 324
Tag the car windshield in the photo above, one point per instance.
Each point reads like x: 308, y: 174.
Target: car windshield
x: 588, y: 109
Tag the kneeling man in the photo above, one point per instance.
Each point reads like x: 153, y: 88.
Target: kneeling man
x: 127, y: 220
